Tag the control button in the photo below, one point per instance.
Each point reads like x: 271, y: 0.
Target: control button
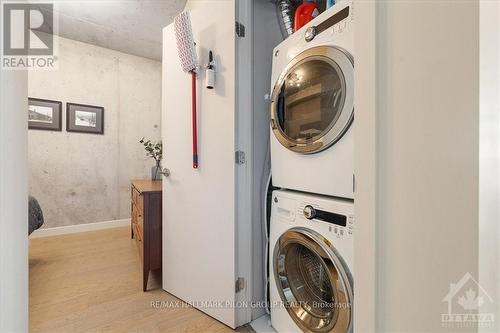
x: 309, y: 212
x: 341, y: 232
x: 311, y: 32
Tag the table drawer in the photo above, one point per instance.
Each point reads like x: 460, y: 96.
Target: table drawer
x: 137, y: 200
x: 140, y: 204
x: 134, y: 213
x: 135, y: 195
x: 138, y: 231
x: 140, y: 225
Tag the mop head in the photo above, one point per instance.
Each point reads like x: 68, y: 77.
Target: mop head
x: 185, y: 42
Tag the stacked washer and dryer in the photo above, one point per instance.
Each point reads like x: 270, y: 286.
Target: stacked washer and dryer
x: 312, y: 148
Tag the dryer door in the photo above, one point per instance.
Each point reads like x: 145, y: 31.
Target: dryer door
x: 313, y: 281
x: 313, y: 100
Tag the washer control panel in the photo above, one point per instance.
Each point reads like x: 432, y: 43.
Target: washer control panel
x: 312, y: 213
x: 334, y: 218
x: 339, y: 224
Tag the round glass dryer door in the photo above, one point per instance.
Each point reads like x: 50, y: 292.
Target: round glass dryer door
x: 313, y: 281
x: 313, y: 100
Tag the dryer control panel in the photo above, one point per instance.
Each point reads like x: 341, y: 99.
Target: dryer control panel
x: 335, y: 20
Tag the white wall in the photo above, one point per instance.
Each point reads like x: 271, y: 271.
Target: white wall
x: 82, y: 178
x: 427, y: 177
x: 489, y: 151
x: 13, y: 202
x: 365, y: 159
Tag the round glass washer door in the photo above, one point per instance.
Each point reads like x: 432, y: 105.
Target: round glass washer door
x: 313, y: 281
x: 313, y: 100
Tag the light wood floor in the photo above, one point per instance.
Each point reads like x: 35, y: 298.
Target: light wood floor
x: 91, y: 282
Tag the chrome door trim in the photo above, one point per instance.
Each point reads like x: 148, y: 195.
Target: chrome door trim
x: 338, y: 58
x: 341, y: 321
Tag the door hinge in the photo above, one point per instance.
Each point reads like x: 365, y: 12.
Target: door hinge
x: 240, y: 284
x: 240, y: 29
x: 240, y: 157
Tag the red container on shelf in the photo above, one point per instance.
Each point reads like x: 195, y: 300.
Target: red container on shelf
x: 304, y: 14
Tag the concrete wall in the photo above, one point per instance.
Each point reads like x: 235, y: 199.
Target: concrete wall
x: 82, y: 178
x: 13, y: 202
x: 427, y: 150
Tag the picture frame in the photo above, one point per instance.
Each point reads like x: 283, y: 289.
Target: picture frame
x: 84, y: 118
x: 44, y: 114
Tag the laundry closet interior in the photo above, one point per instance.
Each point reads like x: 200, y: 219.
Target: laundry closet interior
x: 293, y: 117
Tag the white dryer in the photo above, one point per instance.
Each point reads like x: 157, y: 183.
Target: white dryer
x: 312, y: 107
x: 311, y: 258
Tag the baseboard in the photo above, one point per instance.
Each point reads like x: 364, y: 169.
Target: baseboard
x: 72, y: 229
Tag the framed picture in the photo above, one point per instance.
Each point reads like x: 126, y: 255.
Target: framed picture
x: 44, y: 114
x: 84, y: 118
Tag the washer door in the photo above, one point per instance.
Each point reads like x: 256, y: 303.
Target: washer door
x: 313, y: 100
x: 313, y: 281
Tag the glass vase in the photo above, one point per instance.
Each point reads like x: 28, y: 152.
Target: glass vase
x: 156, y: 171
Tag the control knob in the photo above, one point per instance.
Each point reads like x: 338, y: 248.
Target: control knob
x: 309, y: 212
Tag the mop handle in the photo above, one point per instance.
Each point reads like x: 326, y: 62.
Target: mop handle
x: 195, y: 130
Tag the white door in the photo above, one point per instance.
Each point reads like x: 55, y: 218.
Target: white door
x: 199, y: 225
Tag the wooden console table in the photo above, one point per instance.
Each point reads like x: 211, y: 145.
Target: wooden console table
x: 146, y: 217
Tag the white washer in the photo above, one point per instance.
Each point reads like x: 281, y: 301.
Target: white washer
x: 311, y: 258
x: 312, y: 106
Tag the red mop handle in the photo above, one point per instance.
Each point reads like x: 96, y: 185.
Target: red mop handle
x: 195, y: 130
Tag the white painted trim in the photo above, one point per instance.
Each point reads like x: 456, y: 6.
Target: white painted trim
x: 489, y: 157
x: 365, y: 167
x: 73, y: 229
x: 243, y: 173
x: 13, y: 201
